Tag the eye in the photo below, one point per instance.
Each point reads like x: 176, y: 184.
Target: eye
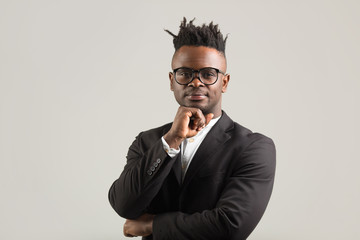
x: 208, y: 73
x: 184, y: 73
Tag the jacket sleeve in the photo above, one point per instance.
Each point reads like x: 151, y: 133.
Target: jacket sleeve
x: 147, y: 166
x: 241, y: 204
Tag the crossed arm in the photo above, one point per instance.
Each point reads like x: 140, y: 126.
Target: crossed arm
x: 241, y: 204
x: 142, y: 226
x: 239, y: 209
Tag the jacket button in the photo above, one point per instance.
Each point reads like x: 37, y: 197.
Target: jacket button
x: 149, y: 172
x: 156, y: 164
x: 152, y: 168
x: 158, y: 160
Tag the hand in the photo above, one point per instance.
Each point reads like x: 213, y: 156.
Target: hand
x: 188, y: 122
x: 142, y: 226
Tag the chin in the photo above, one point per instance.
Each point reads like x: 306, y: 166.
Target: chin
x: 203, y: 109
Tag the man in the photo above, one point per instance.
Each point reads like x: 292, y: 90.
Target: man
x: 202, y: 176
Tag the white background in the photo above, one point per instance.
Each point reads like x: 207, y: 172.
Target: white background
x: 80, y: 79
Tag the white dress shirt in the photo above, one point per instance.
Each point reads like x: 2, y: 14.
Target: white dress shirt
x: 189, y: 147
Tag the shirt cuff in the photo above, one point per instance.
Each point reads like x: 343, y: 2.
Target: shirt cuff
x: 172, y: 152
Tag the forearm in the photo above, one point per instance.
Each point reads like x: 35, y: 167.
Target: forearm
x: 140, y: 180
x: 240, y: 207
x: 206, y: 225
x: 232, y: 219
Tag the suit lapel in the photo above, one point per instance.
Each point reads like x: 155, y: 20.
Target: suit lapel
x: 214, y: 139
x: 177, y: 168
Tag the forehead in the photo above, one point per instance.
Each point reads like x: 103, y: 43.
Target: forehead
x: 198, y: 57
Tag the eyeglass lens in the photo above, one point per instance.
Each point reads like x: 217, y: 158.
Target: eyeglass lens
x: 206, y: 75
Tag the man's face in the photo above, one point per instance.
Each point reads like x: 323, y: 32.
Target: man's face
x: 196, y: 94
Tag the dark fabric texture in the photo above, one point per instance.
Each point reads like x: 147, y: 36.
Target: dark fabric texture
x: 223, y: 196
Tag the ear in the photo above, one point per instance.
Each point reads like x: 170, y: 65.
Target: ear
x: 171, y: 78
x: 225, y: 82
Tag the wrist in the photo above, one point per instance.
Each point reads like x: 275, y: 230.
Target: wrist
x: 173, y: 141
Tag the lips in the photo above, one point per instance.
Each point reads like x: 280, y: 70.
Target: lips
x: 196, y: 96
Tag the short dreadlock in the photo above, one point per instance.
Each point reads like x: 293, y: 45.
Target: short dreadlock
x: 206, y: 35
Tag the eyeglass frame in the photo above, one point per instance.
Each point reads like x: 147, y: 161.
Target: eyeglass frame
x: 198, y: 71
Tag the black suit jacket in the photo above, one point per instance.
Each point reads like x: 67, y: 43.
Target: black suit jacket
x: 223, y: 196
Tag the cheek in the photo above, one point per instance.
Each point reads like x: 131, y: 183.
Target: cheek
x: 216, y: 92
x: 178, y: 93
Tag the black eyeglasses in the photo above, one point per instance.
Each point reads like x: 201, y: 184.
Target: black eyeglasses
x: 207, y: 76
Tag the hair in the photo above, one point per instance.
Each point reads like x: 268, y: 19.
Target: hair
x: 205, y: 35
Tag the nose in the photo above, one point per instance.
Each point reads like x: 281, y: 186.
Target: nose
x: 196, y: 81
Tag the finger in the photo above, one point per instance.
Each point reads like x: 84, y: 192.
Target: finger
x: 199, y: 121
x: 192, y: 123
x: 198, y: 124
x: 126, y: 228
x: 127, y: 234
x: 208, y: 118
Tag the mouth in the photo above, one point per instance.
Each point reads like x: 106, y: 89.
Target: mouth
x: 196, y: 96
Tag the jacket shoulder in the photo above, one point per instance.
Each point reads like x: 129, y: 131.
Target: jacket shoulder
x: 255, y: 151
x: 240, y: 135
x: 247, y: 136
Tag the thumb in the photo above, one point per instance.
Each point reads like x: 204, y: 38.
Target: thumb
x: 208, y: 117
